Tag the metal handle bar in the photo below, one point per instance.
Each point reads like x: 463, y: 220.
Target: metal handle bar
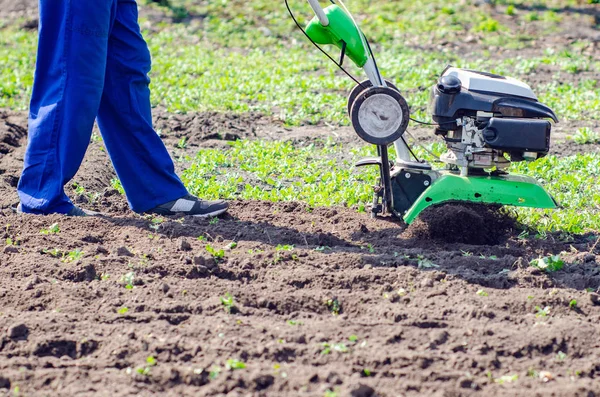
x: 314, y: 4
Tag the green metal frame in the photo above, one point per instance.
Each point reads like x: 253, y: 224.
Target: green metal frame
x: 515, y: 190
x: 341, y: 29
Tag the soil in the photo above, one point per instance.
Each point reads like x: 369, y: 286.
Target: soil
x: 420, y: 314
x: 323, y: 298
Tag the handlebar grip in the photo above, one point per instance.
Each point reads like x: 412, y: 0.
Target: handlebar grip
x: 314, y: 4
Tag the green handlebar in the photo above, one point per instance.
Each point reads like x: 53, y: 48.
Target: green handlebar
x: 341, y: 29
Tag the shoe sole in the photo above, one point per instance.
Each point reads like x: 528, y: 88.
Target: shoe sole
x: 211, y: 214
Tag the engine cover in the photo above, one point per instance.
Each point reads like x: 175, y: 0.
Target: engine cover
x: 453, y: 98
x: 522, y: 135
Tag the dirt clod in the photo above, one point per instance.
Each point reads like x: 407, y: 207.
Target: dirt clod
x: 476, y: 224
x: 19, y: 331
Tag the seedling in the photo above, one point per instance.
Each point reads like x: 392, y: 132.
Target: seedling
x: 366, y: 372
x: 123, y: 310
x: 334, y: 306
x: 182, y: 144
x: 104, y: 276
x: 284, y: 247
x: 218, y: 255
x: 233, y: 364
x: 322, y: 248
x: 215, y: 370
x: 549, y: 264
x: 542, y: 312
x: 338, y: 347
x: 53, y: 229
x: 585, y: 136
x: 55, y: 252
x: 232, y: 245
x: 72, y: 256
x: 202, y: 238
x: 467, y: 253
x: 424, y: 263
x: 128, y: 280
x: 150, y: 362
x: 294, y: 322
x: 573, y: 304
x: 560, y: 356
x: 482, y: 293
x: 213, y: 221
x: 116, y: 184
x: 228, y: 303
x: 330, y: 393
x: 506, y: 379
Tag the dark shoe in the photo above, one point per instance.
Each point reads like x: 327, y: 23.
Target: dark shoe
x: 191, y: 205
x: 76, y: 211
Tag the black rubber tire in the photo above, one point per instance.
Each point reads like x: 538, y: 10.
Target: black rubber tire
x: 359, y: 101
x: 361, y: 87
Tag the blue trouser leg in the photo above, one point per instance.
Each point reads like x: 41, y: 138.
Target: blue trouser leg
x: 139, y: 156
x: 93, y: 62
x: 68, y: 84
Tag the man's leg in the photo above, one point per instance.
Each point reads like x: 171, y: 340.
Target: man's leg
x: 138, y: 154
x: 68, y: 84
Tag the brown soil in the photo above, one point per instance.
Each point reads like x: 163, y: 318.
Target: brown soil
x: 412, y: 301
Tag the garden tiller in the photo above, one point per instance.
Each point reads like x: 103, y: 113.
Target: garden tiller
x: 487, y: 121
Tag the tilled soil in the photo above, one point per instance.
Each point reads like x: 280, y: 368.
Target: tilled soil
x: 322, y: 299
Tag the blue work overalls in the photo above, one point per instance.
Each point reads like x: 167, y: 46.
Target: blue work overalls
x: 93, y: 63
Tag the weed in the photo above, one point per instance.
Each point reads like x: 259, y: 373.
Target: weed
x: 539, y: 312
x: 213, y: 221
x: 573, y: 304
x: 55, y: 252
x: 506, y: 379
x: 366, y: 372
x: 284, y: 247
x: 182, y: 144
x: 72, y: 256
x: 233, y: 364
x: 215, y: 370
x: 218, y: 255
x: 228, y: 303
x: 127, y: 280
x: 232, y: 245
x: 585, y: 136
x: 116, y: 184
x: 338, y: 347
x: 123, y: 310
x: 53, y: 229
x: 104, y: 276
x: 467, y: 253
x: 424, y: 263
x: 353, y: 338
x: 482, y: 293
x: 145, y: 370
x: 549, y: 264
x: 334, y: 306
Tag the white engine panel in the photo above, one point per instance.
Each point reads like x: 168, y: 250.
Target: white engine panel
x: 481, y: 82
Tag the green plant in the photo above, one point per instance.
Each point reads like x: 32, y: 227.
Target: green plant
x: 123, y: 310
x: 182, y: 144
x: 72, y: 256
x: 213, y: 221
x: 145, y: 370
x: 215, y: 370
x: 506, y: 379
x: 586, y: 135
x: 510, y: 10
x: 228, y: 303
x: 549, y: 264
x: 560, y: 356
x: 334, y: 306
x: 116, y: 184
x: 53, y: 229
x: 573, y: 304
x: 482, y: 293
x: 233, y: 364
x: 338, y: 347
x: 424, y: 263
x: 542, y: 312
x: 218, y: 255
x: 127, y: 280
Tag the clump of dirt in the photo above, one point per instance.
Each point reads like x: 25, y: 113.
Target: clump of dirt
x: 477, y: 224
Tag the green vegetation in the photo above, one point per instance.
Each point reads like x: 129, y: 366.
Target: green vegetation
x: 228, y: 303
x: 549, y: 264
x: 193, y: 61
x: 334, y: 306
x: 53, y: 229
x: 217, y: 254
x: 210, y: 64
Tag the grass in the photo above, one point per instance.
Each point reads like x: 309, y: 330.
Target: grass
x: 239, y: 56
x: 210, y: 63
